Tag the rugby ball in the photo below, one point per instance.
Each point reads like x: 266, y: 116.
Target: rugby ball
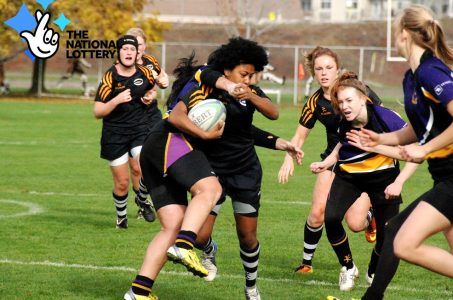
x: 207, y: 114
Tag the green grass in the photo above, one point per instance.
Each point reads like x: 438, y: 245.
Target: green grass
x: 50, y: 157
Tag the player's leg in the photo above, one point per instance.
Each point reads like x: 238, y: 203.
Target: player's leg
x: 360, y: 217
x: 171, y: 202
x: 315, y: 222
x: 425, y: 221
x: 194, y: 173
x: 145, y: 206
x: 120, y: 174
x: 342, y: 195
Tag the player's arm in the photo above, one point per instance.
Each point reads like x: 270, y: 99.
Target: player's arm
x: 318, y: 167
x: 103, y: 109
x: 287, y: 167
x: 259, y: 99
x: 394, y: 189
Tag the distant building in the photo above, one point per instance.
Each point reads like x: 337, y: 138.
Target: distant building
x: 283, y: 11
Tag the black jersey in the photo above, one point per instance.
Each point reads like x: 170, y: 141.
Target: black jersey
x: 130, y: 116
x: 319, y: 108
x: 151, y: 63
x: 234, y: 152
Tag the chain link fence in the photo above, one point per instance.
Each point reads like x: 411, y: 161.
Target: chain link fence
x: 369, y: 62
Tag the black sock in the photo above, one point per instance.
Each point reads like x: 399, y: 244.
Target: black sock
x: 142, y: 285
x: 373, y: 262
x: 250, y: 259
x: 186, y: 239
x: 343, y: 252
x: 120, y: 205
x: 312, y: 235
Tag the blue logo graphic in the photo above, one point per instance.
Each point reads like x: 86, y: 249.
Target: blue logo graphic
x: 42, y: 41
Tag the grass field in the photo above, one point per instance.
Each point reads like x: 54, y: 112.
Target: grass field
x: 58, y: 239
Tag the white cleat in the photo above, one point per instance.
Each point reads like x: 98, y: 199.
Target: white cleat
x: 252, y: 293
x: 208, y: 261
x: 347, y: 278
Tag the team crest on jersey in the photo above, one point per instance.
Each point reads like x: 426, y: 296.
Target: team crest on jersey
x: 414, y: 99
x: 150, y: 67
x: 438, y: 89
x: 324, y: 111
x: 243, y: 102
x: 138, y: 81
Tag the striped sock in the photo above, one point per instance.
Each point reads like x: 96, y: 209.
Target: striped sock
x: 121, y: 205
x: 142, y: 285
x: 142, y: 192
x: 312, y: 235
x: 250, y: 262
x: 186, y: 239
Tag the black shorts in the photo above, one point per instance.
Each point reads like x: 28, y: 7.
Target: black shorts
x: 170, y: 167
x: 114, y: 145
x: 244, y: 190
x: 441, y: 198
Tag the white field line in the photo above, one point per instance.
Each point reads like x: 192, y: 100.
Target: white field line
x: 102, y: 195
x: 33, y: 208
x: 34, y: 143
x: 46, y: 263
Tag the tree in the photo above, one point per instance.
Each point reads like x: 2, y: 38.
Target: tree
x: 248, y: 18
x: 105, y: 20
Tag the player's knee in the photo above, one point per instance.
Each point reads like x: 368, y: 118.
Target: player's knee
x: 316, y: 217
x: 248, y: 242
x: 403, y: 248
x: 213, y: 191
x: 122, y: 185
x: 332, y: 217
x: 355, y: 224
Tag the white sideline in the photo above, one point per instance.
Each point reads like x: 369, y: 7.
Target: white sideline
x: 174, y: 273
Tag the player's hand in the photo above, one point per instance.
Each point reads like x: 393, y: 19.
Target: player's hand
x: 242, y: 92
x: 296, y: 153
x: 369, y: 138
x: 214, y: 133
x: 124, y: 96
x: 162, y: 80
x: 355, y: 140
x: 43, y: 43
x: 149, y: 97
x: 393, y: 190
x: 318, y: 167
x: 286, y: 170
x: 413, y: 153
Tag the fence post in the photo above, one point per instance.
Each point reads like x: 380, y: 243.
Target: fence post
x: 361, y: 64
x: 163, y: 66
x: 39, y: 76
x: 296, y: 77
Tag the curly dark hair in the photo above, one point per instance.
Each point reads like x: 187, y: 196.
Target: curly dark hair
x: 184, y: 71
x: 238, y: 51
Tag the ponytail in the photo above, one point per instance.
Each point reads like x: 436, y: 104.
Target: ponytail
x: 425, y: 31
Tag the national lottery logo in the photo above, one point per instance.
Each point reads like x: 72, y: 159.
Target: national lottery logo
x: 43, y: 42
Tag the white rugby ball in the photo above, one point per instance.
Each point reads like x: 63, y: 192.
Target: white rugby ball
x: 207, y: 114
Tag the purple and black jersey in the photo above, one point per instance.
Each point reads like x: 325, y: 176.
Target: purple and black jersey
x: 427, y: 92
x: 318, y: 108
x: 353, y: 160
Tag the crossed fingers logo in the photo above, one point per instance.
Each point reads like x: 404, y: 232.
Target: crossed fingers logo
x: 43, y: 43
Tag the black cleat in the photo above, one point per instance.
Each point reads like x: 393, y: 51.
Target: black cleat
x: 121, y: 223
x: 145, y: 210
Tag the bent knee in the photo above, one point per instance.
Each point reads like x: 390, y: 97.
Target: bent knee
x: 356, y: 225
x: 316, y: 217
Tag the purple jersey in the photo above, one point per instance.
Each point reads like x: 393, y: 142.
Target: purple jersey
x: 427, y: 92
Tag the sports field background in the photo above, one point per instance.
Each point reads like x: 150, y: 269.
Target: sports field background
x: 57, y: 220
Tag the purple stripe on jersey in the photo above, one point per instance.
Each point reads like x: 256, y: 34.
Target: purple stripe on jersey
x: 177, y: 147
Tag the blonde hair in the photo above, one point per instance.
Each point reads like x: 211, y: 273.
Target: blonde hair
x: 425, y: 31
x: 346, y: 79
x: 137, y: 32
x: 317, y: 52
